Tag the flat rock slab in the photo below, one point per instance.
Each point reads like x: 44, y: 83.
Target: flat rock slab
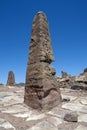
x: 82, y: 118
x: 6, y: 125
x: 15, y: 115
x: 43, y: 126
x: 54, y: 120
x: 81, y: 127
x: 15, y: 109
x: 67, y: 126
x: 30, y: 116
x: 83, y: 101
x: 78, y: 105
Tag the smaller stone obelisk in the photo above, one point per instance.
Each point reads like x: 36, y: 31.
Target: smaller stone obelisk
x: 11, y: 79
x: 41, y: 87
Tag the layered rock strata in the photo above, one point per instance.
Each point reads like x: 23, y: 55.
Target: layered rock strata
x: 41, y: 88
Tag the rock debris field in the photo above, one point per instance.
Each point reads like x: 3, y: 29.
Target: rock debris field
x: 71, y: 114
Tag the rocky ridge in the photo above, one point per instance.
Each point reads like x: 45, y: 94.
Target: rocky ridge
x: 74, y: 82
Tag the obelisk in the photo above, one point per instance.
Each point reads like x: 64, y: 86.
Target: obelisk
x: 11, y: 79
x: 41, y: 87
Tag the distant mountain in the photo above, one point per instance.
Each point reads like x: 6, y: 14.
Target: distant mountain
x: 1, y: 84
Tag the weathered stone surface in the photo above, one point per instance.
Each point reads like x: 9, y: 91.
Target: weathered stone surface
x: 65, y: 75
x: 81, y: 78
x: 82, y: 118
x: 44, y: 126
x: 74, y: 82
x: 85, y: 70
x: 41, y: 88
x: 11, y: 79
x: 22, y: 117
x: 71, y: 117
x: 5, y: 125
x: 77, y: 105
x: 81, y: 127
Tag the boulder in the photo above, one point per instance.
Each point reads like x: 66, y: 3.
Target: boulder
x: 71, y: 117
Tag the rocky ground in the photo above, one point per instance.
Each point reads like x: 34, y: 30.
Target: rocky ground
x: 71, y: 114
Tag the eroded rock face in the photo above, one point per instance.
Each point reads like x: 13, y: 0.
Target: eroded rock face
x: 65, y: 75
x: 41, y: 88
x: 74, y: 82
x: 11, y: 79
x: 85, y: 70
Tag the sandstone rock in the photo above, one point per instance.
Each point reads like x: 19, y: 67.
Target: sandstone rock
x: 41, y: 88
x: 65, y: 75
x: 81, y: 127
x: 44, y: 125
x: 82, y: 118
x: 66, y: 82
x: 11, y: 79
x: 5, y: 125
x: 71, y: 117
x: 85, y: 70
x: 81, y: 78
x: 74, y: 82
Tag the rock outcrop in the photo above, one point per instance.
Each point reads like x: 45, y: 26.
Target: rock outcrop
x: 11, y: 79
x: 74, y: 82
x: 65, y: 75
x: 85, y: 70
x: 41, y: 88
x: 80, y: 81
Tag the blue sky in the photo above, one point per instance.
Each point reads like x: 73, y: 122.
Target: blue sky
x: 68, y: 29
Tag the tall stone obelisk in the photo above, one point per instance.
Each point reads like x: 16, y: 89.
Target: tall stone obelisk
x: 11, y: 79
x: 41, y: 87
